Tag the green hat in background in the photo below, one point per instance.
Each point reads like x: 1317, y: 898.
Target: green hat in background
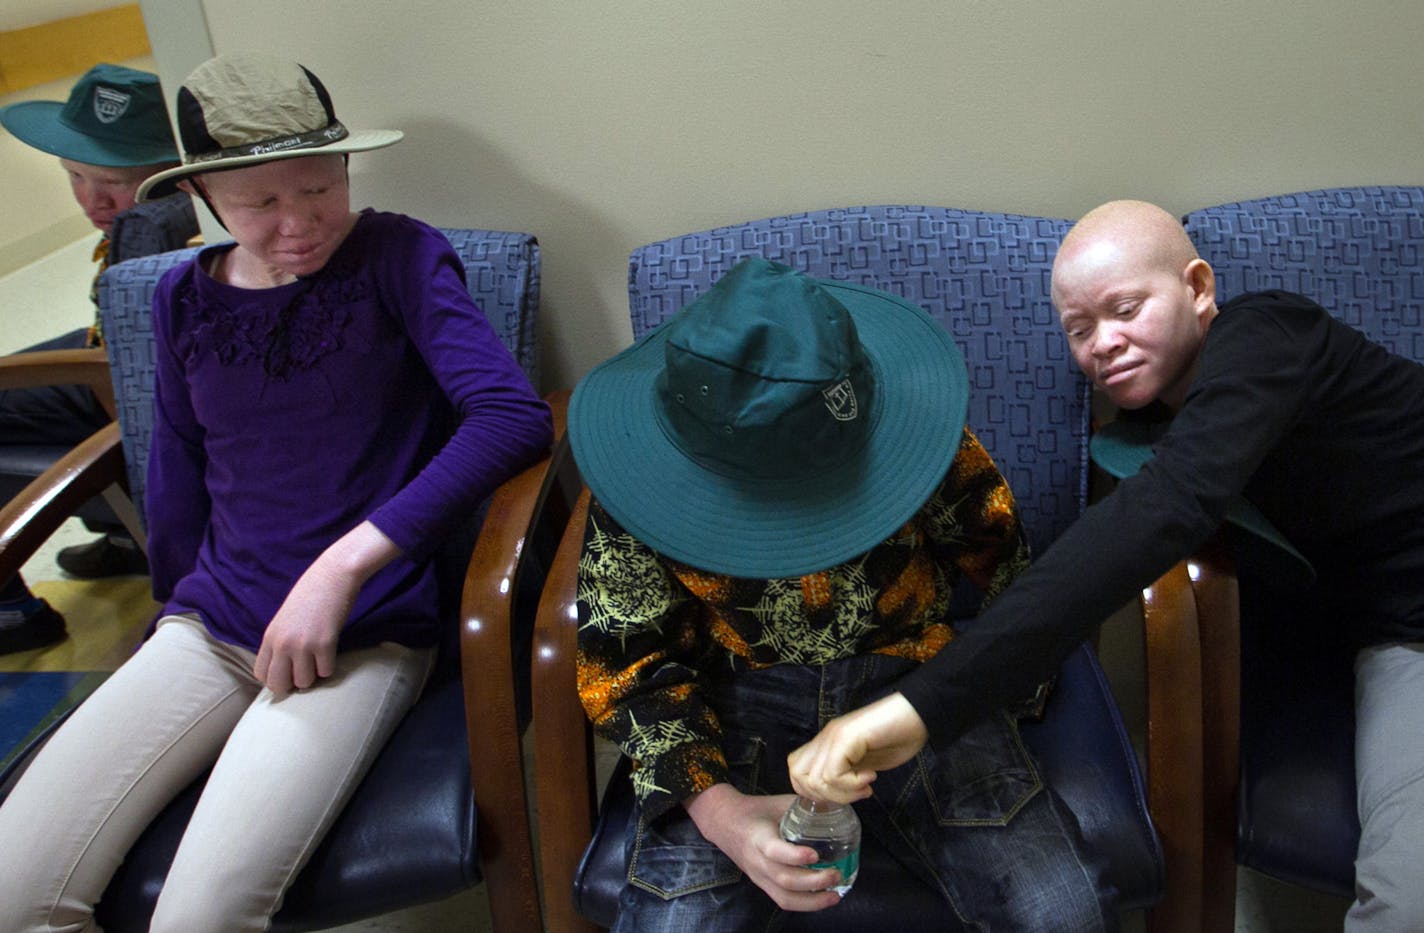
x: 776, y: 426
x: 1123, y: 447
x: 114, y: 117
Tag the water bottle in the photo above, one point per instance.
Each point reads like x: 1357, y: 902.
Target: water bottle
x: 833, y: 830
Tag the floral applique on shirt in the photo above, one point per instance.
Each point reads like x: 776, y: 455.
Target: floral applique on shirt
x: 285, y: 340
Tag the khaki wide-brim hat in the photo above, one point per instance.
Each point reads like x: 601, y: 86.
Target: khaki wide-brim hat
x: 246, y: 108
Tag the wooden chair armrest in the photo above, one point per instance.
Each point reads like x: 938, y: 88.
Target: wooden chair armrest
x: 93, y: 467
x: 1192, y: 634
x: 563, y: 746
x: 60, y: 367
x: 488, y: 605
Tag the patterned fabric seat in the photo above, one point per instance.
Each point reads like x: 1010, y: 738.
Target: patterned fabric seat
x: 1359, y: 252
x: 142, y: 230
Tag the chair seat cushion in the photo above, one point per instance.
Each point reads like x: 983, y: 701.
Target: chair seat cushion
x: 1296, y: 815
x: 1081, y: 745
x: 1088, y: 759
x: 406, y: 837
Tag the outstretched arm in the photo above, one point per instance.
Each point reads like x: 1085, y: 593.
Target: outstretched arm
x: 843, y: 759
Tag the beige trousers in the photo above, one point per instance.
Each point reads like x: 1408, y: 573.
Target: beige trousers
x: 284, y: 768
x: 1389, y: 777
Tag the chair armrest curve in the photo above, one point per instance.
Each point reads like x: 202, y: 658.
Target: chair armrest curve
x: 28, y: 520
x: 488, y: 604
x: 60, y: 367
x: 563, y: 752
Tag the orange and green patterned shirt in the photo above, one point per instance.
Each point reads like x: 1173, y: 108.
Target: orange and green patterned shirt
x: 650, y: 628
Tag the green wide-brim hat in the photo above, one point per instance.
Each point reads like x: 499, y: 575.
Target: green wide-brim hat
x: 114, y: 117
x: 776, y: 426
x: 1122, y: 448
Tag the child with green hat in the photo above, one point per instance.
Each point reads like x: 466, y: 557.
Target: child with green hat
x: 785, y: 494
x: 110, y: 135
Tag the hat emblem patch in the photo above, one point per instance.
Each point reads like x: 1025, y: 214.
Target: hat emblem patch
x: 110, y: 104
x: 840, y: 401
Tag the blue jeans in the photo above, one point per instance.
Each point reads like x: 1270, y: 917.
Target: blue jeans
x: 973, y: 822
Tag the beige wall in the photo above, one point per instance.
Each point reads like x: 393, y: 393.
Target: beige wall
x: 603, y: 125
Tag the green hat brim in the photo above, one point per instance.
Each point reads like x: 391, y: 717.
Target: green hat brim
x: 778, y: 527
x: 37, y: 123
x: 1122, y: 448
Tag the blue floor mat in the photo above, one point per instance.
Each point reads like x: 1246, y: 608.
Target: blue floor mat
x: 30, y: 700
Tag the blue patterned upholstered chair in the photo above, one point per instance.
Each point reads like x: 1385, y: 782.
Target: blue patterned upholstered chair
x: 424, y: 825
x: 142, y: 230
x: 985, y: 277
x: 152, y: 227
x: 1359, y: 252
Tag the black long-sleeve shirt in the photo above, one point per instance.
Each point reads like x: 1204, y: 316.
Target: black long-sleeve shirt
x: 1320, y: 428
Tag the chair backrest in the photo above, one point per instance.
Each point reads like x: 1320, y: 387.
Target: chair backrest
x: 983, y: 276
x: 1359, y: 252
x: 152, y: 227
x: 501, y: 271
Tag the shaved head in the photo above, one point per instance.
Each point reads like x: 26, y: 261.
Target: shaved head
x: 1121, y: 235
x: 1135, y: 301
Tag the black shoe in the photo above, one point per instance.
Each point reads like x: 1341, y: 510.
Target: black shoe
x: 102, y: 557
x: 28, y: 626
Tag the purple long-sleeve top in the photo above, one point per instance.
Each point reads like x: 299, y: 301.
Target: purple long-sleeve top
x: 284, y: 417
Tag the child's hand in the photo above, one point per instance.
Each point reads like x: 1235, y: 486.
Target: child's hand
x: 841, y: 761
x: 299, y: 646
x: 747, y: 829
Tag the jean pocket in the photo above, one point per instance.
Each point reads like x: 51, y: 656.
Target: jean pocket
x: 983, y: 779
x: 670, y: 856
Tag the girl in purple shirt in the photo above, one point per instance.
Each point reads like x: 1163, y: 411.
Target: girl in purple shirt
x: 329, y: 405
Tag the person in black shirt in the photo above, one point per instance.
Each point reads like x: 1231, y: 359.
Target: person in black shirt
x: 1270, y: 398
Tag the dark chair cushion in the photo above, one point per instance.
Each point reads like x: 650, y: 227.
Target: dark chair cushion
x: 406, y: 837
x: 1083, y: 748
x: 1088, y: 759
x: 1296, y: 814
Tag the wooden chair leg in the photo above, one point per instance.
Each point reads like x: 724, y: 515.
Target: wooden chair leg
x: 1218, y: 608
x: 1174, y: 740
x: 562, y: 764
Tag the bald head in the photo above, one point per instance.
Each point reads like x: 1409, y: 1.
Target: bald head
x: 1135, y: 301
x: 1120, y: 236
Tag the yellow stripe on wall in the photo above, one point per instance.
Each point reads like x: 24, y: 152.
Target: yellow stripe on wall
x: 64, y: 47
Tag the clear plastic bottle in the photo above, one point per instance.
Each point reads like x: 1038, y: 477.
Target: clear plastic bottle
x: 833, y: 830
